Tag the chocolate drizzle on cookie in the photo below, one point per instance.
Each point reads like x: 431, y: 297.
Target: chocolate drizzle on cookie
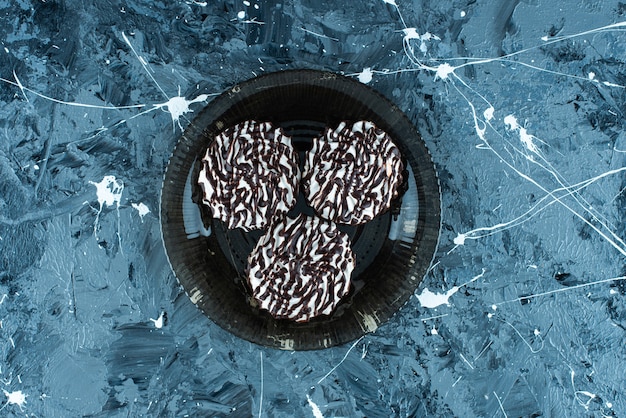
x: 250, y: 175
x: 353, y: 173
x: 301, y: 268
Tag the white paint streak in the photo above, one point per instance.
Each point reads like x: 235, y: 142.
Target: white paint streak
x: 519, y: 334
x: 430, y: 318
x: 500, y: 403
x: 19, y: 84
x: 317, y: 413
x: 549, y: 199
x: 342, y: 360
x: 143, y: 63
x: 562, y: 289
x: 319, y: 35
x: 466, y: 361
x: 75, y: 104
x: 577, y: 393
x: 261, y: 396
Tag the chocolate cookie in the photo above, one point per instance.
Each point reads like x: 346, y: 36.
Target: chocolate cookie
x: 352, y: 173
x: 250, y: 175
x: 301, y: 268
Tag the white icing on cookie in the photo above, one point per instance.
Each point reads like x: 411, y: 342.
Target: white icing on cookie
x: 249, y: 175
x: 352, y: 174
x: 301, y: 268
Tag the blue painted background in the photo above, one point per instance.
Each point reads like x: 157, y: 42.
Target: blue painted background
x: 93, y: 322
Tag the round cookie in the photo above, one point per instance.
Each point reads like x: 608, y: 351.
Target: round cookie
x: 250, y: 175
x: 352, y: 173
x: 301, y: 268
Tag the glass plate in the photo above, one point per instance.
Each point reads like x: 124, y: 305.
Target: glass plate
x: 394, y: 251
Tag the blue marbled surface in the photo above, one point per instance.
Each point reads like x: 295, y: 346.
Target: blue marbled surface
x: 522, y: 105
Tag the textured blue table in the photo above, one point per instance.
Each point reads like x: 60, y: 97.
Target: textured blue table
x: 522, y: 106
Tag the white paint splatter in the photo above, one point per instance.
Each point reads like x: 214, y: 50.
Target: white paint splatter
x: 460, y: 239
x: 443, y: 71
x: 141, y: 208
x: 488, y: 114
x: 526, y: 139
x: 427, y: 37
x: 411, y: 33
x: 15, y: 398
x: 177, y: 107
x: 317, y: 413
x: 160, y: 321
x: 431, y: 300
x: 241, y: 14
x: 109, y: 192
x: 392, y: 2
x: 365, y: 76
